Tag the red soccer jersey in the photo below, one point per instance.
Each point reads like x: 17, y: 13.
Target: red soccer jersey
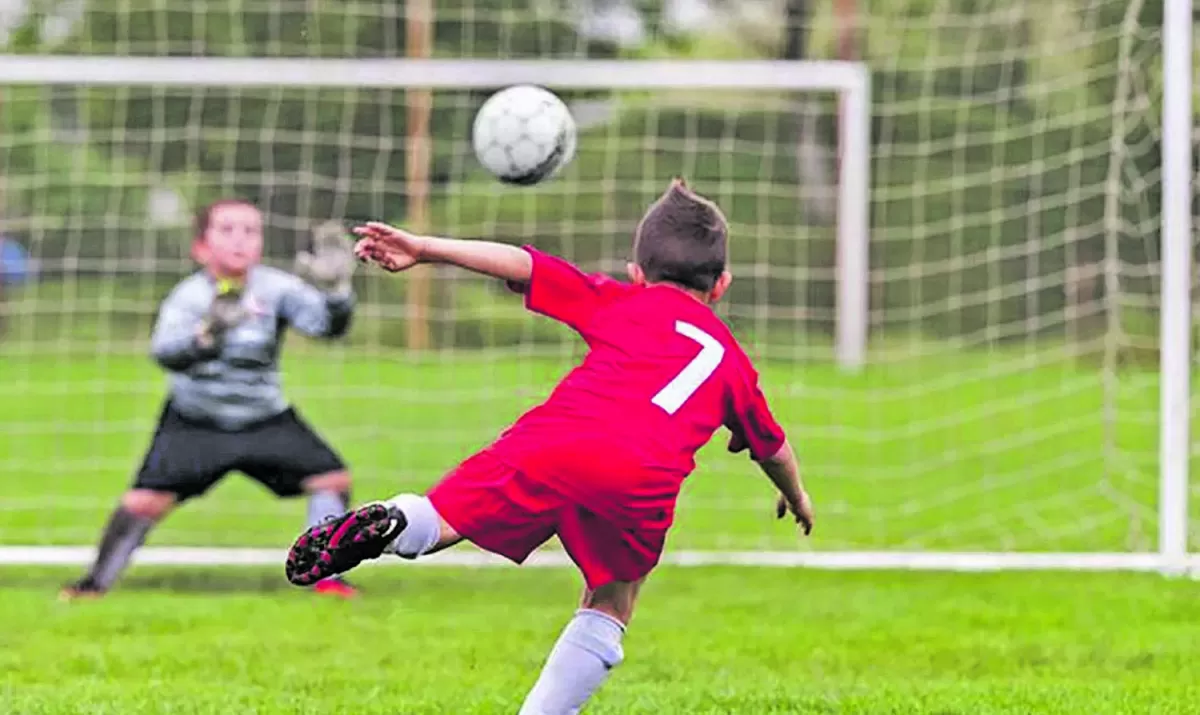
x: 662, y: 374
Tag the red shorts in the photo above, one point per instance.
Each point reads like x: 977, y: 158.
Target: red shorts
x: 507, y: 512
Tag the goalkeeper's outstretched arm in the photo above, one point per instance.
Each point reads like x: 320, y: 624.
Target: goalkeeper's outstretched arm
x: 321, y: 303
x: 317, y: 314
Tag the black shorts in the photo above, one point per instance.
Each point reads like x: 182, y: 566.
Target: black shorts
x: 186, y: 458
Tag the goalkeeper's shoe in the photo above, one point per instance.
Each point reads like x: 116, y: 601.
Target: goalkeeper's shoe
x: 84, y: 588
x: 340, y: 543
x: 335, y: 587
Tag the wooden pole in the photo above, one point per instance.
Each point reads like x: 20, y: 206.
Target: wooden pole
x: 419, y: 103
x: 845, y: 14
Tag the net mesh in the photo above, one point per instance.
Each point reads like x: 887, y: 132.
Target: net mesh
x: 1009, y: 401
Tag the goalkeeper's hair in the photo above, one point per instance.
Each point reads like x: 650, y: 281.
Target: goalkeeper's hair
x: 682, y: 239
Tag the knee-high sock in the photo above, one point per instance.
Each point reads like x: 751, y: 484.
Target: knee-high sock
x: 589, y: 647
x: 124, y: 534
x: 324, y: 504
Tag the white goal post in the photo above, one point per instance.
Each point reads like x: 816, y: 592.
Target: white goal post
x: 852, y: 84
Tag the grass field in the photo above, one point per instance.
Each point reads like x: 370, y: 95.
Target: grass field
x: 954, y: 450
x: 705, y: 642
x: 958, y: 451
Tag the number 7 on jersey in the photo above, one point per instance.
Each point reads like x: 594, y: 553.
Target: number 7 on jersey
x: 684, y: 385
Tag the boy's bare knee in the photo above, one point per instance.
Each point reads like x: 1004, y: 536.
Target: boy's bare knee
x: 338, y: 481
x: 616, y: 598
x: 148, y: 503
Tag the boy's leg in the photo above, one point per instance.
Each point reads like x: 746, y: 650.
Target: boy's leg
x: 588, y: 648
x: 183, y: 461
x: 136, y: 514
x: 328, y: 498
x: 286, y: 455
x: 614, y: 560
x: 483, y: 501
x: 406, y: 526
x: 426, y: 531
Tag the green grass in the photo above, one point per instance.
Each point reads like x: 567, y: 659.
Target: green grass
x: 930, y: 447
x: 951, y: 450
x: 705, y: 641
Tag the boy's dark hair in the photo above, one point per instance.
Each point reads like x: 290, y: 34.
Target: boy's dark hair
x: 682, y: 239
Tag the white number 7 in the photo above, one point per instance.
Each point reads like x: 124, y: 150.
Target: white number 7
x: 693, y: 375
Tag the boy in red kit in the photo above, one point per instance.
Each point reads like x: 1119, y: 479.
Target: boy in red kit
x: 601, y: 461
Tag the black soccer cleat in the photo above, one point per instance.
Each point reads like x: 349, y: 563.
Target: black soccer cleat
x: 340, y: 543
x: 84, y: 588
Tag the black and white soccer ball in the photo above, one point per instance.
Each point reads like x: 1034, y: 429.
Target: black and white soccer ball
x: 524, y: 135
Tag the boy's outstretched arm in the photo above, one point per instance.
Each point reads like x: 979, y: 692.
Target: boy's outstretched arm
x: 784, y: 471
x: 395, y: 250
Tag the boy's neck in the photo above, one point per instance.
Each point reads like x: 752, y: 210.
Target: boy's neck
x: 216, y: 275
x: 699, y: 295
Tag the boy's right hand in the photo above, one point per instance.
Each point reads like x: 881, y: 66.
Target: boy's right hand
x: 800, y: 507
x: 388, y: 247
x: 224, y: 313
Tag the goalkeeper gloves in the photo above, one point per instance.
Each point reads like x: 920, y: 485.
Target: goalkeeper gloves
x: 224, y: 313
x: 330, y: 265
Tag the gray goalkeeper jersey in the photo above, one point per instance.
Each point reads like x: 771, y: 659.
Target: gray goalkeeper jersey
x: 238, y: 384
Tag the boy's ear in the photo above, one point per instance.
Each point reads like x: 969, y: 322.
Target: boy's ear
x: 636, y: 275
x: 200, y: 252
x: 720, y: 286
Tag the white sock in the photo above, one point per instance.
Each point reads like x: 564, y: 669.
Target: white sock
x: 588, y: 648
x: 324, y: 504
x: 423, y: 530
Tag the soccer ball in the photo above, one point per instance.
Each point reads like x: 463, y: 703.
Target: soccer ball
x: 523, y: 135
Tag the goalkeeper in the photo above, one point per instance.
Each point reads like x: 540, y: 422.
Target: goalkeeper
x: 219, y: 334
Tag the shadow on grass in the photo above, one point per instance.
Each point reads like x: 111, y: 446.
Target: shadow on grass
x: 206, y: 581
x: 209, y: 581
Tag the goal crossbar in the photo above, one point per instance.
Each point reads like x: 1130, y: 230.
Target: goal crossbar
x: 431, y: 73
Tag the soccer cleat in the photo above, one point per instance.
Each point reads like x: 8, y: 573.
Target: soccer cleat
x: 335, y: 587
x: 340, y: 543
x: 84, y: 588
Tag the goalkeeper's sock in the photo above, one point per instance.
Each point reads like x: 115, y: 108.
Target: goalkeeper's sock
x: 423, y: 530
x: 327, y: 503
x: 589, y: 647
x: 124, y: 534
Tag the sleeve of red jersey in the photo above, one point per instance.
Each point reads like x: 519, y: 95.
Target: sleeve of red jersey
x: 750, y: 419
x: 559, y: 290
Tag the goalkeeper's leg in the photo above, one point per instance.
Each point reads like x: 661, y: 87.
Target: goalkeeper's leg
x: 184, y: 460
x: 139, y: 510
x: 328, y: 499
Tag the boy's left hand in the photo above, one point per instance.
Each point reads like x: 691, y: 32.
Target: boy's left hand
x: 800, y: 507
x: 330, y: 265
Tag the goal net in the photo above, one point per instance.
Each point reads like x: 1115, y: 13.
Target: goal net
x: 1008, y: 401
